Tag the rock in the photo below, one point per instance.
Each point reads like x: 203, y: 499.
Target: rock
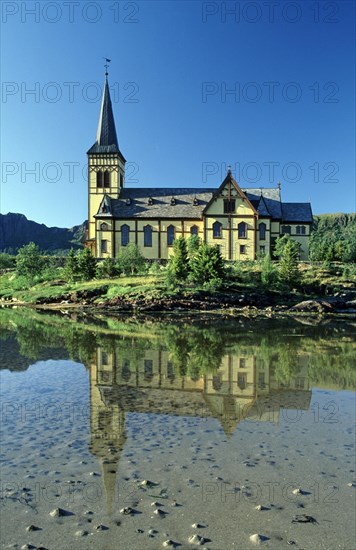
x: 30, y: 528
x: 351, y: 484
x: 169, y: 543
x: 28, y: 547
x: 127, y: 511
x: 159, y: 512
x: 101, y: 527
x: 59, y: 513
x: 197, y: 540
x: 152, y: 532
x: 318, y: 306
x: 297, y: 491
x: 94, y: 474
x: 261, y: 508
x: 257, y: 538
x: 81, y: 533
x: 148, y: 483
x: 198, y: 526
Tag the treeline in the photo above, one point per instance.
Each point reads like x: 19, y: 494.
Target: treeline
x: 333, y: 238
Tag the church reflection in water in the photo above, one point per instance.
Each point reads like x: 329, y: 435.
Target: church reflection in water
x: 242, y: 388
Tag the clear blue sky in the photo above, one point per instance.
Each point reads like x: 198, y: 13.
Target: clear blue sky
x: 291, y: 116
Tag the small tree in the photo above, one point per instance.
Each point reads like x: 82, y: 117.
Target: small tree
x: 130, y: 259
x: 288, y: 267
x: 193, y: 244
x: 106, y: 268
x: 280, y: 245
x: 86, y: 264
x: 71, y: 270
x: 29, y: 261
x: 207, y: 265
x: 269, y: 272
x: 178, y: 266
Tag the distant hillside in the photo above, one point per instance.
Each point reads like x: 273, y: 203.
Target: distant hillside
x: 16, y: 230
x: 334, y: 238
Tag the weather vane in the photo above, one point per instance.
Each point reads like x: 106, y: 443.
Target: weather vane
x: 106, y: 65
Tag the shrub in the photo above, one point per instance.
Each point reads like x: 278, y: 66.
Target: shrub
x: 130, y: 260
x: 71, y: 268
x: 107, y: 268
x: 29, y: 261
x: 86, y: 264
x: 178, y: 265
x: 288, y: 267
x: 7, y: 261
x: 207, y: 265
x: 269, y: 273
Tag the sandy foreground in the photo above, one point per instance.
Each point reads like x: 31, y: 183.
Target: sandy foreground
x: 173, y: 481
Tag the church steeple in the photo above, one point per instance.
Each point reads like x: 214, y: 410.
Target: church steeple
x: 106, y: 137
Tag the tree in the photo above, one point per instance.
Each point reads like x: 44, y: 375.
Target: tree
x: 29, y: 261
x: 193, y: 244
x: 130, y: 259
x: 280, y: 245
x: 86, y: 264
x: 207, y: 265
x: 178, y: 265
x: 106, y: 268
x: 71, y: 268
x: 288, y: 267
x: 269, y: 272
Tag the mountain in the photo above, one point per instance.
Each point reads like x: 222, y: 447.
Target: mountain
x: 16, y: 230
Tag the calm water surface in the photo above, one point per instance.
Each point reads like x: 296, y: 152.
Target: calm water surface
x: 187, y: 425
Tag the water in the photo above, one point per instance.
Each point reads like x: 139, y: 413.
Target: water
x: 220, y: 415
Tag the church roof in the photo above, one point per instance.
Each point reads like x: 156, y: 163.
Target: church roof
x: 106, y: 138
x: 161, y: 203
x: 271, y: 200
x: 297, y: 212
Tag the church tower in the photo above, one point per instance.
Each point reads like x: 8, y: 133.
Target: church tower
x: 106, y: 166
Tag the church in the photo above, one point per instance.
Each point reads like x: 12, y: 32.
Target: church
x: 243, y: 222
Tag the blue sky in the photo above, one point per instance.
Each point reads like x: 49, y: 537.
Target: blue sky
x: 267, y: 87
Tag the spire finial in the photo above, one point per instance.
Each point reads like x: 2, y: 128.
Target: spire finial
x: 279, y: 185
x: 229, y: 168
x: 106, y: 65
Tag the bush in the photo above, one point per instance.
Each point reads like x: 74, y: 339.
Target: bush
x: 207, y: 265
x: 178, y: 266
x: 107, y: 268
x: 29, y: 261
x: 7, y: 261
x: 288, y: 267
x: 86, y: 264
x: 269, y: 273
x: 130, y: 260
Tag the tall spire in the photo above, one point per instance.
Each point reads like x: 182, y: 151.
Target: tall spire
x: 106, y: 132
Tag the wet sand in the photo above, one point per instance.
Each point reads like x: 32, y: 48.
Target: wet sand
x: 171, y: 480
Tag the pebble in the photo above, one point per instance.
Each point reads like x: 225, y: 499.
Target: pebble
x: 81, y: 533
x: 297, y: 491
x: 152, y: 532
x: 351, y: 484
x: 59, y: 513
x: 257, y: 539
x: 198, y: 526
x: 127, y: 511
x: 159, y: 512
x: 30, y: 528
x: 101, y: 527
x: 94, y: 474
x: 169, y: 543
x: 261, y: 508
x: 27, y: 547
x: 197, y: 539
x: 147, y: 483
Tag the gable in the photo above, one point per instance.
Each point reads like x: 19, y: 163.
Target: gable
x: 230, y: 192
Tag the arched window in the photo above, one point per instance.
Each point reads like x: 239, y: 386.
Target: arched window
x: 125, y: 235
x: 217, y: 383
x: 262, y: 229
x: 242, y: 228
x: 99, y: 179
x: 148, y: 365
x: 106, y: 179
x: 126, y: 372
x: 104, y: 227
x: 286, y: 229
x: 147, y: 235
x: 217, y: 230
x: 171, y: 231
x: 300, y: 229
x: 194, y: 230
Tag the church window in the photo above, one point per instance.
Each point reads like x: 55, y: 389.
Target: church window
x: 126, y: 372
x: 99, y: 179
x: 104, y: 358
x: 229, y: 206
x: 106, y: 179
x: 125, y: 235
x: 103, y: 246
x: 104, y: 227
x: 261, y: 380
x: 217, y: 230
x: 262, y: 249
x: 286, y: 229
x: 170, y: 371
x: 262, y: 229
x: 148, y: 366
x: 171, y: 231
x: 194, y: 230
x: 242, y: 381
x: 300, y: 229
x: 242, y: 362
x: 217, y: 383
x: 121, y: 180
x: 147, y: 235
x: 242, y: 229
x: 242, y: 249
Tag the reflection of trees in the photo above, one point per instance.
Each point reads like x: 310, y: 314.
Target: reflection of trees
x: 195, y: 347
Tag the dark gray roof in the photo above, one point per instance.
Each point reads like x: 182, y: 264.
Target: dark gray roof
x: 297, y: 212
x: 106, y: 138
x: 157, y: 203
x: 272, y: 200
